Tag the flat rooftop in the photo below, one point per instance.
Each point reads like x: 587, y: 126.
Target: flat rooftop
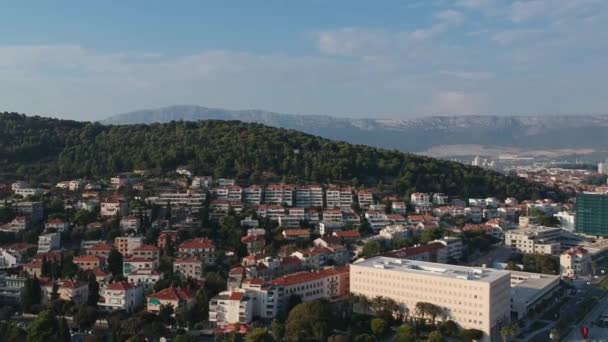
x: 434, y: 269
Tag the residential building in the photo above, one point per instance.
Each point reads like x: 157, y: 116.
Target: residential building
x: 121, y: 296
x: 201, y: 248
x: 541, y: 240
x: 420, y: 198
x: 176, y: 297
x: 8, y: 258
x: 365, y: 198
x: 26, y: 192
x: 279, y: 194
x: 146, y: 251
x: 188, y: 267
x: 88, y: 262
x: 18, y: 224
x: 474, y: 298
x: 57, y: 224
x: 190, y: 201
x: 399, y: 208
x: 253, y: 195
x: 68, y: 289
x: 296, y: 234
x: 33, y: 268
x: 454, y: 245
x: 592, y: 213
x: 339, y: 197
x: 130, y: 223
x: 395, y: 231
x: 575, y: 262
x: 440, y: 199
x: 100, y: 249
x: 308, y: 196
x: 130, y: 265
x: 114, y: 208
x: 202, y: 182
x: 146, y: 277
x: 48, y: 242
x: 230, y: 307
x: 126, y: 244
x: 431, y: 252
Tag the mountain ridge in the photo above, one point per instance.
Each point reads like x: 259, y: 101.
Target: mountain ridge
x: 412, y: 134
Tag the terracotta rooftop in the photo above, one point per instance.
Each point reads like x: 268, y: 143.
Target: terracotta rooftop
x: 197, y: 243
x: 302, y: 277
x: 172, y: 293
x: 120, y: 286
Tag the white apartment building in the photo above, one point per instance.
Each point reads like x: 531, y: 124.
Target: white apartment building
x: 191, y: 200
x: 454, y: 245
x: 25, y: 192
x: 121, y: 296
x: 253, y: 195
x: 144, y: 277
x: 48, y: 242
x: 395, y: 231
x: 365, y: 198
x: 130, y: 222
x: 57, y: 224
x: 541, y: 240
x: 230, y: 307
x: 474, y: 298
x: 188, y: 267
x: 440, y: 199
x: 420, y: 198
x: 279, y: 194
x: 202, y: 182
x: 308, y: 196
x: 575, y: 262
x: 339, y: 197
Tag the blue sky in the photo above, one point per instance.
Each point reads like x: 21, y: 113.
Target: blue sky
x: 390, y: 59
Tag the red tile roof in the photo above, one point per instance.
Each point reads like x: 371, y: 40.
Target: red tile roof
x: 101, y: 247
x: 347, y: 234
x: 236, y: 295
x: 296, y: 232
x: 87, y: 258
x: 172, y: 293
x: 188, y: 260
x: 411, y: 251
x: 146, y: 248
x: 197, y: 243
x: 302, y: 277
x: 120, y: 286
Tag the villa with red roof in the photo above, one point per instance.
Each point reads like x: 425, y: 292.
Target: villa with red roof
x: 67, y: 289
x: 177, y: 297
x: 101, y: 250
x: 202, y: 248
x: 189, y: 267
x: 89, y: 262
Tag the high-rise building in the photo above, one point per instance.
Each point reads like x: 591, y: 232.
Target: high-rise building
x: 592, y: 213
x: 474, y: 298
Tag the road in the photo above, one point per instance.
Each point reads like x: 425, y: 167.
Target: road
x: 596, y: 333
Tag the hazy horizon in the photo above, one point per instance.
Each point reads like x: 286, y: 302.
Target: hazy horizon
x: 88, y: 61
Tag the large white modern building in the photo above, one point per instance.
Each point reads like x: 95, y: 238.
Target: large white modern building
x: 474, y: 298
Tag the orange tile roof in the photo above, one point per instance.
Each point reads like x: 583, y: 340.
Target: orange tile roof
x: 172, y: 293
x: 102, y: 246
x: 87, y: 258
x: 120, y: 286
x: 302, y: 277
x: 197, y: 243
x: 147, y: 248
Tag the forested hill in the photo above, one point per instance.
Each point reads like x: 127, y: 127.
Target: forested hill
x: 46, y: 149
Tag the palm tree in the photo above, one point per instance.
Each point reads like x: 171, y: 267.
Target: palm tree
x: 422, y: 309
x: 508, y: 331
x: 434, y: 311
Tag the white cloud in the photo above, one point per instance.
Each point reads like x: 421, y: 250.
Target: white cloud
x: 475, y: 4
x: 508, y: 37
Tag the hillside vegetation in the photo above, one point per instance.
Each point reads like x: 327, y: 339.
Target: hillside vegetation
x: 45, y: 149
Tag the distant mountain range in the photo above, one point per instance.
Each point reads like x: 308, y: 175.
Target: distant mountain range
x: 413, y: 135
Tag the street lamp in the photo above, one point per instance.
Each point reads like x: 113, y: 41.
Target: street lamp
x: 554, y: 335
